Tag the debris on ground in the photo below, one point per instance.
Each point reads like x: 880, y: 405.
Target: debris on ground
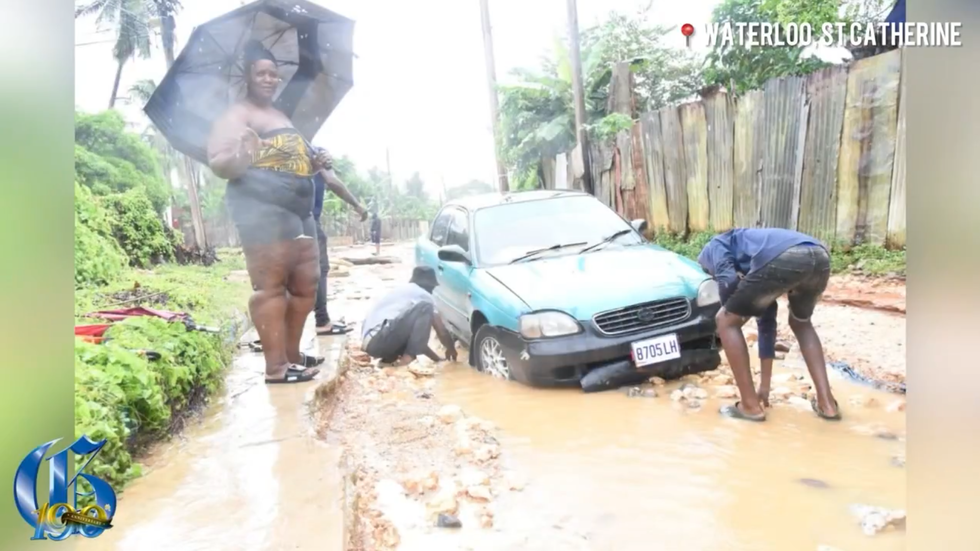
x: 448, y: 521
x: 875, y: 519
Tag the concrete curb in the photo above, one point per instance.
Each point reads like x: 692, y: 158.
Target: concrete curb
x: 324, y: 401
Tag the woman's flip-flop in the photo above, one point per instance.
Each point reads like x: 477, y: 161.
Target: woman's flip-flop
x: 312, y: 361
x: 735, y: 412
x: 294, y: 375
x: 835, y: 417
x: 334, y: 329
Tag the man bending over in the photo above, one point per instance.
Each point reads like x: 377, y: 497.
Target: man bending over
x: 397, y: 328
x: 753, y: 268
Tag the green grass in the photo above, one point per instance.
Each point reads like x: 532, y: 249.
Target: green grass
x: 203, y: 291
x: 866, y: 259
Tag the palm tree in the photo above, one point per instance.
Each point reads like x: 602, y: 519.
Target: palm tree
x: 132, y: 32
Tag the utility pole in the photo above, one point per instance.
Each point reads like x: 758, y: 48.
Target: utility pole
x: 579, y: 94
x: 187, y: 170
x: 488, y: 59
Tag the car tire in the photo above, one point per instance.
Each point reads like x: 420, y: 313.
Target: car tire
x: 488, y: 353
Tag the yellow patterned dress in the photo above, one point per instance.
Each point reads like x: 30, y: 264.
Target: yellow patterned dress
x: 273, y: 201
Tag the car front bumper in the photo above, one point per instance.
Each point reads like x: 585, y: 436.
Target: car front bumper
x: 565, y: 361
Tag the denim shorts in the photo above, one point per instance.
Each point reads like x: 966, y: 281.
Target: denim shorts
x: 801, y: 272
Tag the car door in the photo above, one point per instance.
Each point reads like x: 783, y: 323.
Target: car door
x: 454, y: 277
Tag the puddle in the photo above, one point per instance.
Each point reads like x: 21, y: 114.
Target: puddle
x: 642, y: 473
x: 249, y: 475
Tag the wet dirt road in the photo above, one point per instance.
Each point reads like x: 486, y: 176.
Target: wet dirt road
x: 611, y: 471
x: 249, y: 475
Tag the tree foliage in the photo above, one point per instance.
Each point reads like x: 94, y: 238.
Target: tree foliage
x: 739, y: 68
x: 120, y: 194
x: 537, y: 111
x: 110, y: 159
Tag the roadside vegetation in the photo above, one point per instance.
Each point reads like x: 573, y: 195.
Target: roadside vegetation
x: 125, y: 257
x: 865, y: 259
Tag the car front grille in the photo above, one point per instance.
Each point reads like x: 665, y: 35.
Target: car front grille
x: 648, y: 315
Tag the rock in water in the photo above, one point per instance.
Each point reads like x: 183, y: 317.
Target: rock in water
x: 814, y: 483
x: 875, y: 519
x: 448, y: 521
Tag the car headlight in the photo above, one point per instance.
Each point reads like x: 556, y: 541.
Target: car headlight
x: 548, y: 324
x: 708, y: 293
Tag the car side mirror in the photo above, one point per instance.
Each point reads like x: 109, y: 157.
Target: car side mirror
x: 640, y: 225
x: 454, y: 253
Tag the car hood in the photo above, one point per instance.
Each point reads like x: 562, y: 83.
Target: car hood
x: 586, y: 284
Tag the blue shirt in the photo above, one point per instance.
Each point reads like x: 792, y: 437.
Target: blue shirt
x: 319, y: 190
x: 744, y: 251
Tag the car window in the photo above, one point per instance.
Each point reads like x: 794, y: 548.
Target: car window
x: 459, y: 230
x: 507, y: 231
x: 440, y: 227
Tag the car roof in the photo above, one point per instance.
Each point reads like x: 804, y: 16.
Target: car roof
x: 483, y: 200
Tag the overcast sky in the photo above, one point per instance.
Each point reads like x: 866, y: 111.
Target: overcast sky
x: 419, y: 82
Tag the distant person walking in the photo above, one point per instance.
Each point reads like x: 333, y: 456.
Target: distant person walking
x: 376, y: 232
x: 397, y: 328
x: 753, y: 268
x: 323, y: 180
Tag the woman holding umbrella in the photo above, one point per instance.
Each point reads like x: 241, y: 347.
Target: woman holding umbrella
x: 270, y: 166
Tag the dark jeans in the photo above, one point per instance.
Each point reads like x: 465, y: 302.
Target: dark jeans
x: 802, y: 272
x: 320, y: 306
x: 408, y: 334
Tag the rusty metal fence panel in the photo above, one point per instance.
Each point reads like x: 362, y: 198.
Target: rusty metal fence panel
x: 781, y: 156
x: 825, y: 92
x: 721, y: 129
x: 695, y: 138
x: 675, y: 177
x: 868, y: 148
x: 896, y: 210
x: 653, y: 160
x: 748, y: 151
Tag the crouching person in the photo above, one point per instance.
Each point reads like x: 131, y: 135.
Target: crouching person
x: 397, y: 328
x: 753, y: 268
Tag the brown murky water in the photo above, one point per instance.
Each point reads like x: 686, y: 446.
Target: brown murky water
x: 605, y: 471
x: 250, y: 475
x: 645, y: 473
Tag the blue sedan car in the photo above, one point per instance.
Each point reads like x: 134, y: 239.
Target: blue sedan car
x: 548, y: 287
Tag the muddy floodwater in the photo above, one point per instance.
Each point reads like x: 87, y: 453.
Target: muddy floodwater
x: 622, y: 470
x: 611, y: 471
x: 648, y: 473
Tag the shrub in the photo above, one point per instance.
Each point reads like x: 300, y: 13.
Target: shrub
x: 138, y: 229
x: 98, y: 258
x: 109, y: 159
x: 126, y: 399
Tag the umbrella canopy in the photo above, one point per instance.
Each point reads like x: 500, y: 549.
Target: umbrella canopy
x: 312, y: 45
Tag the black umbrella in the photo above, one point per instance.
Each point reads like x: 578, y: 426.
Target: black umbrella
x: 312, y: 44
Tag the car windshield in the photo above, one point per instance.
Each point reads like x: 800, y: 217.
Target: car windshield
x: 511, y: 230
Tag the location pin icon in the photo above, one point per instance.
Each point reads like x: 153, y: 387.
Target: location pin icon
x: 687, y: 30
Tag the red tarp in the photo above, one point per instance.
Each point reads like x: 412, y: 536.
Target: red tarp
x: 119, y: 315
x: 92, y: 333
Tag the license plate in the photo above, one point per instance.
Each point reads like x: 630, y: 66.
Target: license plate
x: 656, y: 350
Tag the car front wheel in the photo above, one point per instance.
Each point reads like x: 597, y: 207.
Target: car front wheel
x: 490, y: 358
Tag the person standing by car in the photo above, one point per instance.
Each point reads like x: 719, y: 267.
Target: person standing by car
x: 753, y: 268
x: 397, y: 327
x: 324, y: 179
x: 376, y: 232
